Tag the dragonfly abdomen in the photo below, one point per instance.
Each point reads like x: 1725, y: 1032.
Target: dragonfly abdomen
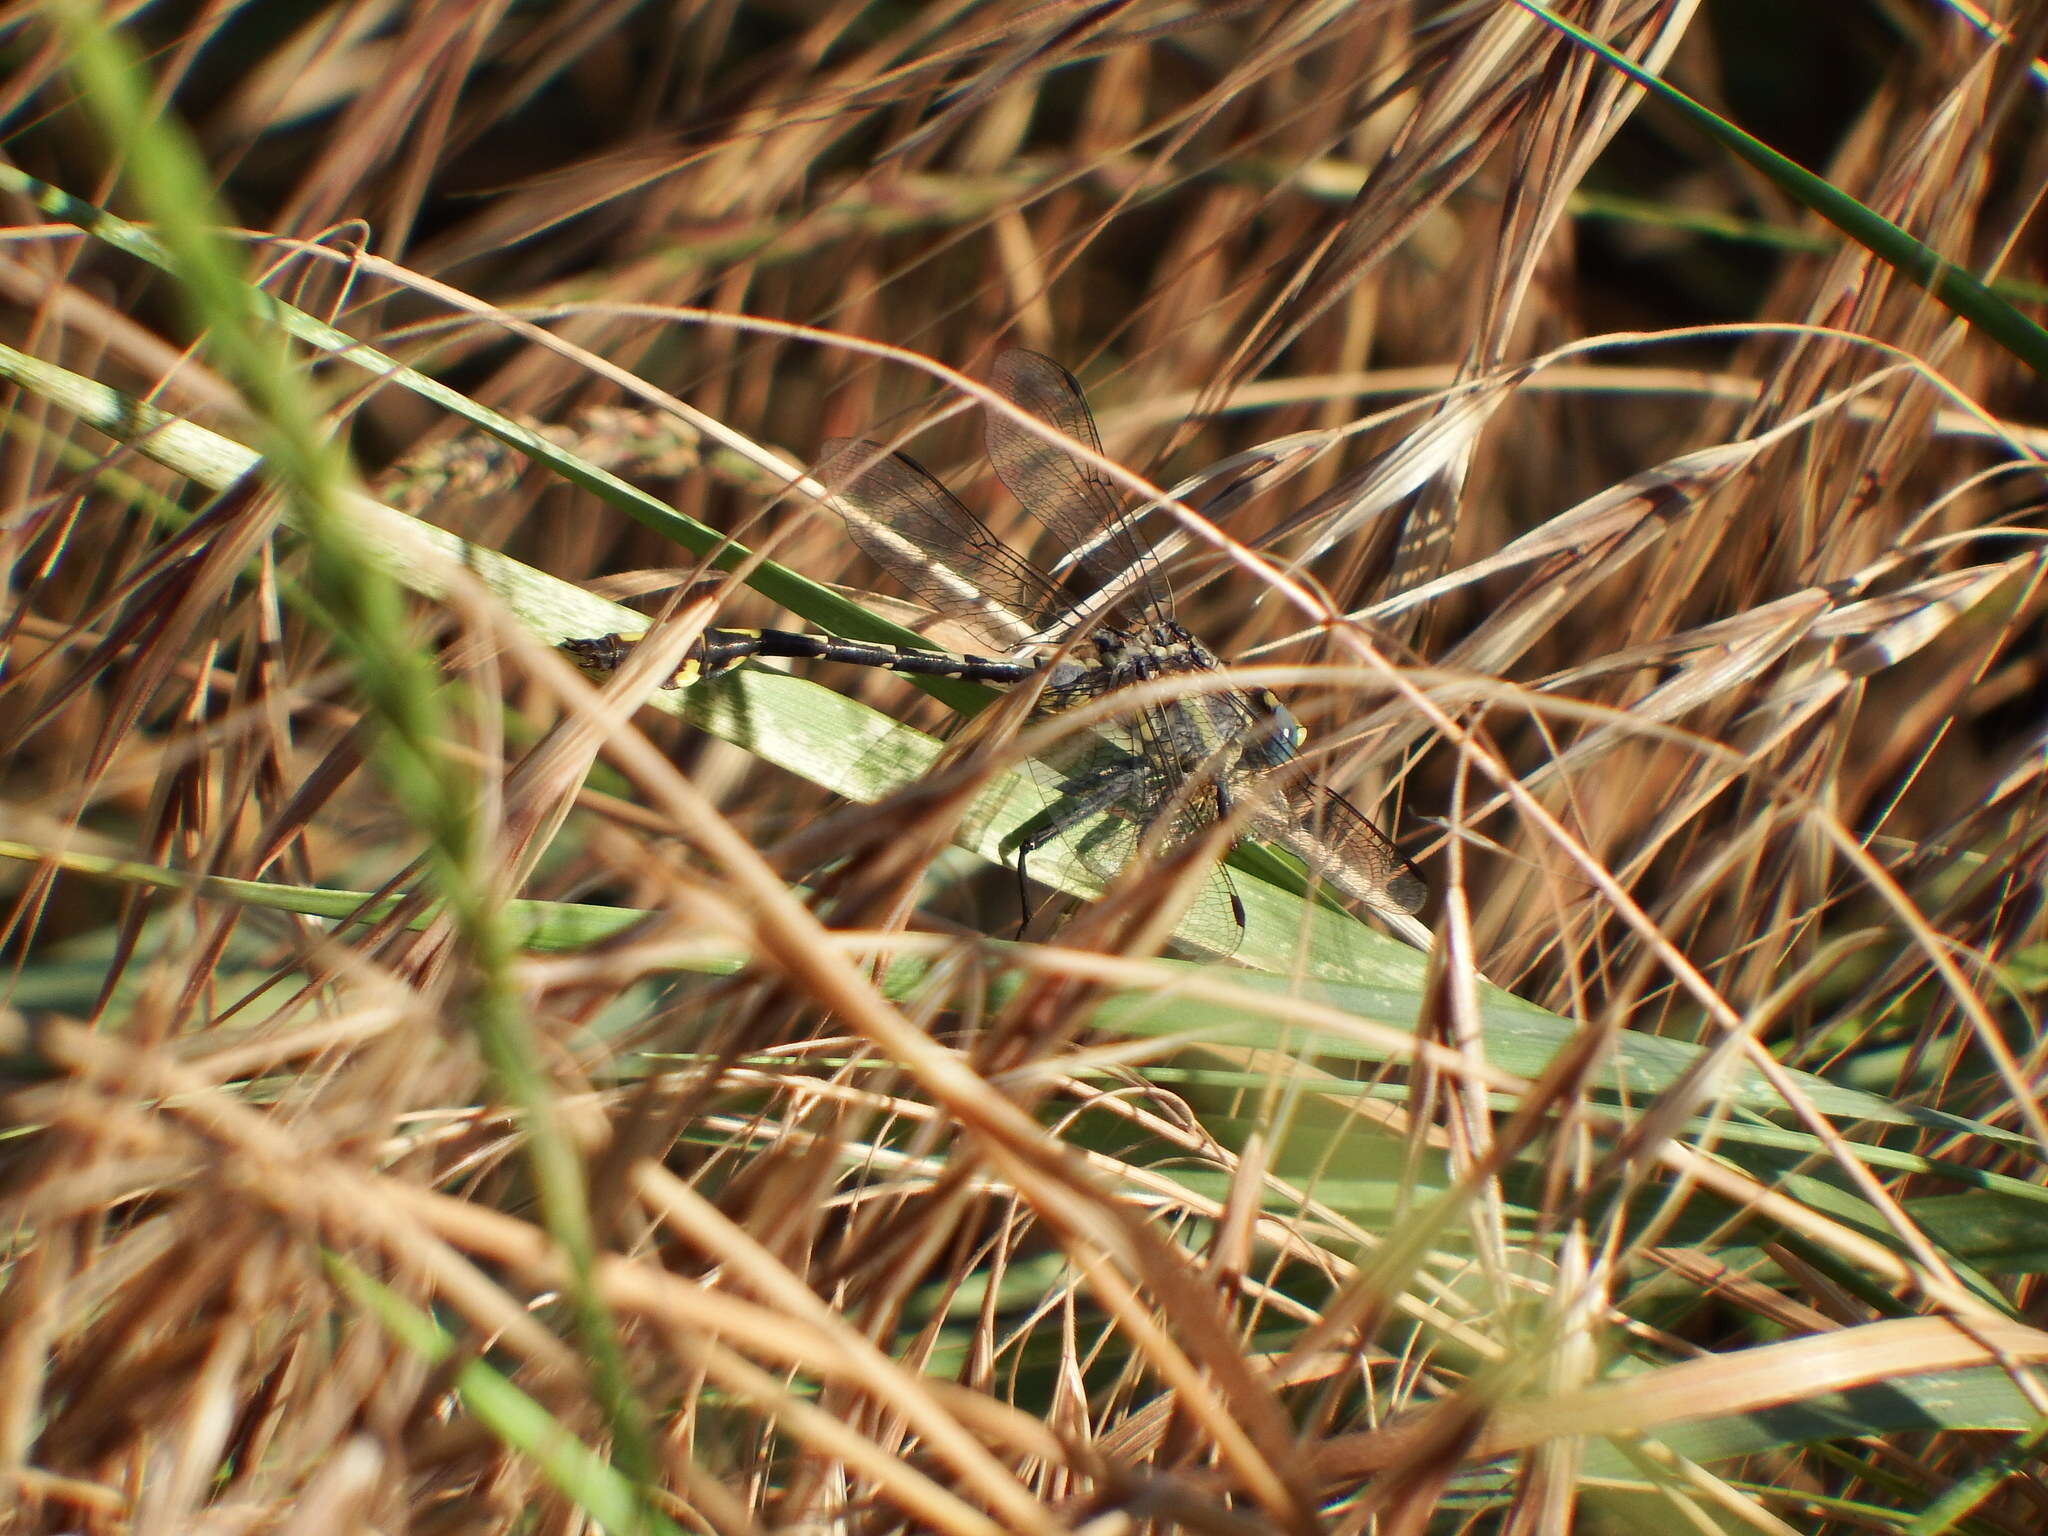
x: 718, y: 651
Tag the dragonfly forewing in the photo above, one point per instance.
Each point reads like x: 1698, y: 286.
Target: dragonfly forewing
x: 907, y: 522
x: 1066, y: 493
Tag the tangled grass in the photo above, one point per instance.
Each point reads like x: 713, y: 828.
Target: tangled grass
x: 443, y: 1095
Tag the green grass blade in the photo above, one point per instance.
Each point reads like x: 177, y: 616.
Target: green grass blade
x: 593, y: 1484
x: 1963, y: 292
x: 348, y: 580
x: 791, y: 590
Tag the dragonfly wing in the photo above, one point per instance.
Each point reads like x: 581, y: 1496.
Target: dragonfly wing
x: 1112, y: 795
x: 917, y: 530
x: 1342, y: 848
x: 1067, y: 494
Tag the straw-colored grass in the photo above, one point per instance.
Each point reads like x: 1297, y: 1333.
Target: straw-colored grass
x: 443, y: 1095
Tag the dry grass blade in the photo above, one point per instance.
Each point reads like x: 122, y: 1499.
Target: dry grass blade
x: 440, y: 1092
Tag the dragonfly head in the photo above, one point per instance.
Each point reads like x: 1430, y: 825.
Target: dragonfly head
x: 1279, y: 736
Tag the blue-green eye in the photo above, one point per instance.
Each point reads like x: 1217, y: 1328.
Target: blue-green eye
x: 1279, y: 735
x: 1289, y: 730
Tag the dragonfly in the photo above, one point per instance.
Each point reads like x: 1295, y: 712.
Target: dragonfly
x: 1171, y: 767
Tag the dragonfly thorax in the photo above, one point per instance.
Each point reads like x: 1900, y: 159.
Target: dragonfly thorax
x: 1202, y: 735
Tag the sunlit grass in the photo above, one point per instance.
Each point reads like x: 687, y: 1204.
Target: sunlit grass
x: 444, y: 1093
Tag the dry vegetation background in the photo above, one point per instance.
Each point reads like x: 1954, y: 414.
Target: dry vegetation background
x: 1705, y: 554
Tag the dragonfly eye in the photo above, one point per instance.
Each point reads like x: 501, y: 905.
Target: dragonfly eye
x: 1283, y: 730
x: 1275, y: 736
